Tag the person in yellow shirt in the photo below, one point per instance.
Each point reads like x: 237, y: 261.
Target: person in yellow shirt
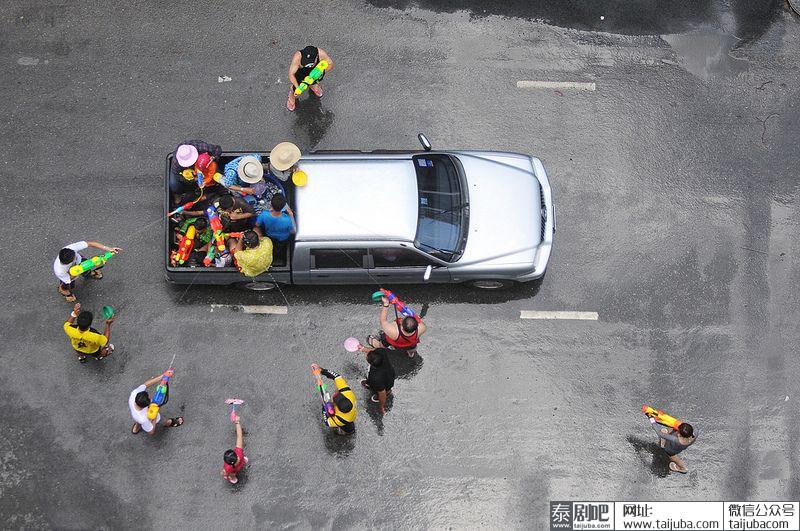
x: 253, y: 254
x: 344, y: 405
x: 87, y: 341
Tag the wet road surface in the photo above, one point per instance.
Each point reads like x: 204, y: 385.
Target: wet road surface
x: 676, y: 188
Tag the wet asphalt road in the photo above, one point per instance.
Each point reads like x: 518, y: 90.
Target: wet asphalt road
x: 677, y: 199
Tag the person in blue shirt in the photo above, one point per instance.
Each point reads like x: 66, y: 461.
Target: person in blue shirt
x: 277, y: 222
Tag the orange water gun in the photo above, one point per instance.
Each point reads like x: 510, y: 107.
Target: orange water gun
x: 186, y: 245
x: 661, y: 417
x: 216, y: 227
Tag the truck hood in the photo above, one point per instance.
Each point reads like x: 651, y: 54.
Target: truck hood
x: 504, y: 212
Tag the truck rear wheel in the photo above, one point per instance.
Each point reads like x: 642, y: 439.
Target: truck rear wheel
x: 256, y: 285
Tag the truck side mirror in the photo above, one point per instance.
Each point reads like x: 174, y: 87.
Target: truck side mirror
x: 426, y: 144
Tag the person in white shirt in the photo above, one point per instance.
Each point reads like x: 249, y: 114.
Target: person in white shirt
x: 138, y: 402
x: 70, y: 256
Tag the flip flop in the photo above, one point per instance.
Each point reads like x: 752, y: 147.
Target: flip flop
x: 291, y: 105
x: 96, y: 274
x: 133, y: 428
x: 316, y: 89
x: 674, y: 467
x: 175, y: 422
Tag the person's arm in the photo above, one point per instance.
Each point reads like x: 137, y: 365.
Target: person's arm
x: 74, y: 314
x: 323, y: 56
x: 245, y: 190
x: 234, y: 216
x: 193, y: 213
x: 290, y: 213
x: 421, y: 328
x: 96, y: 245
x: 294, y: 66
x: 152, y: 381
x: 107, y: 331
x: 668, y: 436
x: 382, y: 401
x: 389, y: 327
x: 239, y: 434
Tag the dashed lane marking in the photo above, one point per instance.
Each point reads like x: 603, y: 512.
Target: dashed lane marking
x: 580, y: 316
x: 573, y: 85
x: 258, y: 309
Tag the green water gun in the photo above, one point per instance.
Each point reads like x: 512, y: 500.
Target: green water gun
x: 312, y: 77
x: 91, y: 264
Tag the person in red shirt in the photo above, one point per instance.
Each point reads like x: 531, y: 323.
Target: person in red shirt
x: 401, y: 334
x: 234, y: 459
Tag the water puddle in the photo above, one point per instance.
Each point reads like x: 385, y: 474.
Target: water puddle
x: 706, y: 53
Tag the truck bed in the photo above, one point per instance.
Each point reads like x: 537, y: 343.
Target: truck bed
x: 185, y: 274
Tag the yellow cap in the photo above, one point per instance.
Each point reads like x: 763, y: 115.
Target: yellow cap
x: 299, y: 178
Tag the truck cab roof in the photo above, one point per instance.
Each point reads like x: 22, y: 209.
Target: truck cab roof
x: 357, y: 199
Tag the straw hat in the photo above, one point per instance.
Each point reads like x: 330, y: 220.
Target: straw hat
x: 186, y: 155
x: 284, y: 156
x: 250, y: 170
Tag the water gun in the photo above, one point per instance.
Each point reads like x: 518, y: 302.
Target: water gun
x: 216, y: 227
x: 327, y: 404
x: 209, y: 255
x: 91, y: 264
x: 181, y: 208
x: 312, y: 77
x: 186, y: 245
x: 661, y: 417
x: 161, y: 394
x: 398, y: 304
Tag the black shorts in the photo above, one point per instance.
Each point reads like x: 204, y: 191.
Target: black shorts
x: 348, y: 428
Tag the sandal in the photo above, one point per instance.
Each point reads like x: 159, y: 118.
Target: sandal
x: 94, y: 273
x: 136, y: 428
x: 291, y: 103
x: 674, y: 467
x: 364, y: 384
x: 411, y: 353
x: 175, y: 422
x: 316, y: 89
x: 68, y: 295
x: 371, y: 338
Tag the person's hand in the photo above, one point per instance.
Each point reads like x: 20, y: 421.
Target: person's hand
x: 115, y: 250
x: 237, y: 420
x: 385, y: 300
x: 247, y: 191
x: 652, y: 420
x: 76, y: 308
x: 110, y: 320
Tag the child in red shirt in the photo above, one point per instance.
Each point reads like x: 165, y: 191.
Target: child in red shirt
x: 234, y: 460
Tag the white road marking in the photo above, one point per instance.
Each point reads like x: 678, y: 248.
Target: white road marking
x: 575, y: 85
x: 581, y: 316
x: 258, y: 309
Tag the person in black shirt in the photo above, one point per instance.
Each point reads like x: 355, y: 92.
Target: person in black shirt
x: 303, y: 62
x: 236, y: 214
x: 380, y: 378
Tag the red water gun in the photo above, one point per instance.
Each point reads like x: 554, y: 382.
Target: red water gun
x: 186, y: 245
x: 187, y: 206
x: 216, y: 227
x: 398, y: 304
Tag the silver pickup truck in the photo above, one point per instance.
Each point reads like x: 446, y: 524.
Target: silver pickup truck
x: 480, y: 217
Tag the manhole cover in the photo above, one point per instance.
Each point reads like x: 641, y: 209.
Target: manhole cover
x: 795, y: 4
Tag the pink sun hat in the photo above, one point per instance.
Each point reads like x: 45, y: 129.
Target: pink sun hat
x: 186, y: 155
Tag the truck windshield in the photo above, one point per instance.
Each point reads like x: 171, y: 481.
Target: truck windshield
x: 442, y: 206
